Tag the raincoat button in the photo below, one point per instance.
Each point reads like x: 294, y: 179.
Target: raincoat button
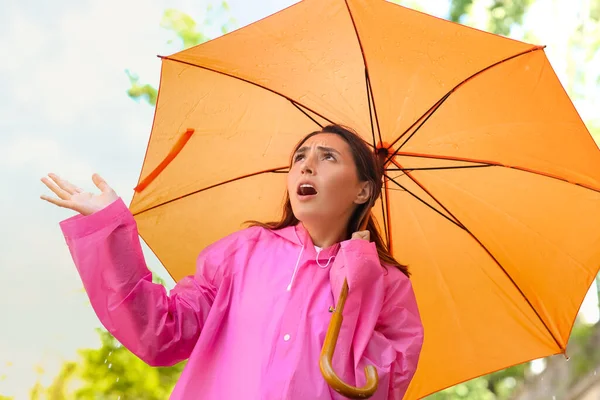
x: 286, y: 337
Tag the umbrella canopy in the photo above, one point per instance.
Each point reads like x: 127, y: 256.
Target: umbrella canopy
x: 492, y: 183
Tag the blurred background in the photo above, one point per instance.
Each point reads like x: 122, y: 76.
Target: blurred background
x: 78, y: 81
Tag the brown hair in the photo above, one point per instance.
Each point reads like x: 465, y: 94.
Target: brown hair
x: 369, y: 169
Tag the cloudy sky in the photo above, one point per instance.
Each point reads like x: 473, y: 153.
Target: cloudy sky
x: 64, y: 108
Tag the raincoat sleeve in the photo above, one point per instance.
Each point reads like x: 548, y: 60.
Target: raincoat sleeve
x: 160, y: 328
x: 381, y: 326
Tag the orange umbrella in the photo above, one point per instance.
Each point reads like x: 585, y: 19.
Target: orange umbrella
x: 492, y: 184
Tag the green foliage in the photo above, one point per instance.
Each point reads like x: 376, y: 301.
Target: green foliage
x: 506, y: 13
x: 141, y: 91
x: 587, y: 354
x: 497, y: 386
x: 458, y: 9
x: 183, y: 26
x: 503, y: 14
x: 110, y: 372
x: 186, y: 28
x: 475, y: 389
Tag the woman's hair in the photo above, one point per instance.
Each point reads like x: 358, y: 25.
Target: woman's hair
x: 369, y: 169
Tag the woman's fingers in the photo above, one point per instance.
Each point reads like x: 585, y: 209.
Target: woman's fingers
x: 64, y: 184
x: 101, y: 183
x: 57, y: 190
x: 57, y: 202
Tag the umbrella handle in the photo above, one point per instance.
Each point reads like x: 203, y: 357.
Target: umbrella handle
x: 325, y: 361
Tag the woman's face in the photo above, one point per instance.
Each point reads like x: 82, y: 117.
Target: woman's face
x: 323, y: 182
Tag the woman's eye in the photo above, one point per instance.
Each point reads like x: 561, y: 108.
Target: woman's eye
x: 298, y: 157
x: 329, y: 156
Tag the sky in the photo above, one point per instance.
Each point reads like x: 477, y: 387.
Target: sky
x: 64, y: 109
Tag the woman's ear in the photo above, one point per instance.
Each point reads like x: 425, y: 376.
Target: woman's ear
x: 365, y: 193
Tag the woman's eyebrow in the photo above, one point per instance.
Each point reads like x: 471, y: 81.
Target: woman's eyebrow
x: 303, y: 149
x: 328, y: 149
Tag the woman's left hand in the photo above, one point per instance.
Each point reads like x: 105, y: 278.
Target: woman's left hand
x: 364, y: 235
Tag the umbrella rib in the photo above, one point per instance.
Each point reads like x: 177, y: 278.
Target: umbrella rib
x: 271, y: 170
x: 497, y: 164
x: 437, y: 104
x: 305, y: 113
x: 383, y: 212
x: 438, y: 168
x: 408, y: 174
x: 370, y: 110
x: 386, y: 211
x: 367, y: 78
x: 429, y: 113
x: 250, y: 82
x: 426, y: 203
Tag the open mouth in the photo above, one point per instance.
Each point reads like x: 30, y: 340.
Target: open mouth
x: 306, y: 189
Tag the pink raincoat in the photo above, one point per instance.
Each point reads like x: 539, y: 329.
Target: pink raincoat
x: 253, y: 318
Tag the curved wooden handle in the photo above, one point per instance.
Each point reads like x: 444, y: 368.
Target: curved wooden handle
x: 325, y: 361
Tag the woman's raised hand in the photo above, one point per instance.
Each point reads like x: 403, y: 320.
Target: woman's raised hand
x: 74, y: 198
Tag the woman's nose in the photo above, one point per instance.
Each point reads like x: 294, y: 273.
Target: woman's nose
x: 307, y: 169
x: 307, y: 165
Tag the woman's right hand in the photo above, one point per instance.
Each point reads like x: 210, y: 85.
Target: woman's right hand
x: 74, y: 198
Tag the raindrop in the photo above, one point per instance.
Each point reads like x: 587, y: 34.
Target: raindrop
x: 119, y: 398
x: 109, y: 366
x: 118, y: 379
x: 594, y: 372
x: 109, y: 353
x: 105, y: 361
x: 553, y: 397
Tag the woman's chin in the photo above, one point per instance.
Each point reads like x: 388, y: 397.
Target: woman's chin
x: 307, y: 217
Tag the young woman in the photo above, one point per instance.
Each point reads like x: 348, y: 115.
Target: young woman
x: 252, y: 319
